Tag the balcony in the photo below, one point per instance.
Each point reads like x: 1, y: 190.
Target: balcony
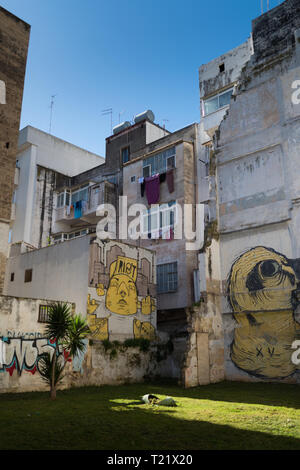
x: 85, y: 210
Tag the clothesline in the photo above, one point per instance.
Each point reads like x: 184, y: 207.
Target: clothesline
x: 151, y: 185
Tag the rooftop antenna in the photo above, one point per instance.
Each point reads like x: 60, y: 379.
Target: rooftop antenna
x: 164, y: 122
x: 106, y: 112
x: 121, y: 112
x: 262, y: 6
x: 51, y: 112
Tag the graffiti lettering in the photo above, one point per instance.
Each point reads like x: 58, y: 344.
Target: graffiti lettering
x: 259, y: 353
x: 22, y: 354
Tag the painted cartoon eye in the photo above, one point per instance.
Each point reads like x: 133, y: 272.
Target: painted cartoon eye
x: 114, y: 283
x: 269, y: 268
x: 131, y: 285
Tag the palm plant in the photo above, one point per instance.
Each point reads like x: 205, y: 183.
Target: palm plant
x: 65, y: 330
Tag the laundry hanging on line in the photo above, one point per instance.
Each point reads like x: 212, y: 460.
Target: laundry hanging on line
x: 78, y: 209
x: 152, y: 189
x: 170, y: 180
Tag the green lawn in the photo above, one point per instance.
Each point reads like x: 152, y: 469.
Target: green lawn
x: 227, y: 415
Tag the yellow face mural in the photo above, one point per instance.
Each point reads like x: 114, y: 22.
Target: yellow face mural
x: 120, y: 292
x: 261, y: 291
x: 121, y: 296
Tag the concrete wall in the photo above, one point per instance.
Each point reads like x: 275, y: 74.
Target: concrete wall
x: 210, y: 78
x: 59, y: 272
x: 57, y: 154
x: 111, y: 283
x: 23, y: 342
x: 257, y: 169
x: 14, y: 45
x: 212, y: 81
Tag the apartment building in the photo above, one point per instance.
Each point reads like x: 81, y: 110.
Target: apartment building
x: 42, y: 161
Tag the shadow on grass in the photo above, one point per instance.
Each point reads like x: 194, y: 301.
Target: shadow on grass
x: 114, y: 418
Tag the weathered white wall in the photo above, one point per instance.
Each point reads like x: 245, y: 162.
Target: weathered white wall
x: 60, y: 272
x: 25, y: 195
x: 154, y: 132
x: 257, y: 183
x: 58, y: 155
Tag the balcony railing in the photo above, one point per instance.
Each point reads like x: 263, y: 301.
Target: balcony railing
x: 102, y: 193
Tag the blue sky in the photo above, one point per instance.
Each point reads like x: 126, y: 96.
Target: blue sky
x: 128, y: 55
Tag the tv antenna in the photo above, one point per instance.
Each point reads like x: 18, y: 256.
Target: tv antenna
x: 262, y: 6
x: 51, y: 112
x: 107, y: 112
x: 121, y: 112
x: 164, y: 122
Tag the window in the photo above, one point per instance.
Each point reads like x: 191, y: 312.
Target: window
x: 146, y: 171
x: 43, y: 313
x: 222, y: 68
x: 171, y: 162
x: 167, y: 278
x: 28, y: 275
x: 159, y: 217
x: 159, y: 163
x: 80, y: 195
x: 216, y: 102
x: 12, y: 277
x: 60, y: 199
x: 125, y: 154
x: 63, y: 199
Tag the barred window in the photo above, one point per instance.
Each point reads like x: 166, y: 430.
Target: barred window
x: 43, y: 313
x: 167, y: 278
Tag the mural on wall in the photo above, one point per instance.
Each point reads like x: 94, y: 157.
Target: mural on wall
x: 22, y: 353
x: 121, y: 299
x: 262, y: 292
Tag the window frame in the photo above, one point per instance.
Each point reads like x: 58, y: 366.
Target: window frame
x: 127, y: 147
x: 160, y: 211
x: 43, y: 315
x: 28, y: 275
x: 153, y: 162
x: 172, y: 284
x: 217, y: 95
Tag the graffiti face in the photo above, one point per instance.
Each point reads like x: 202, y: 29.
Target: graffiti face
x: 121, y: 295
x: 262, y: 288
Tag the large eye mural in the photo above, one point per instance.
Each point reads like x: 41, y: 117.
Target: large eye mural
x: 262, y: 292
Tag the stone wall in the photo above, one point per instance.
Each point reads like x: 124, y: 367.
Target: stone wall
x: 14, y: 37
x: 23, y: 341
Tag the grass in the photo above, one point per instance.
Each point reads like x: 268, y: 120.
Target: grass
x: 228, y: 415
